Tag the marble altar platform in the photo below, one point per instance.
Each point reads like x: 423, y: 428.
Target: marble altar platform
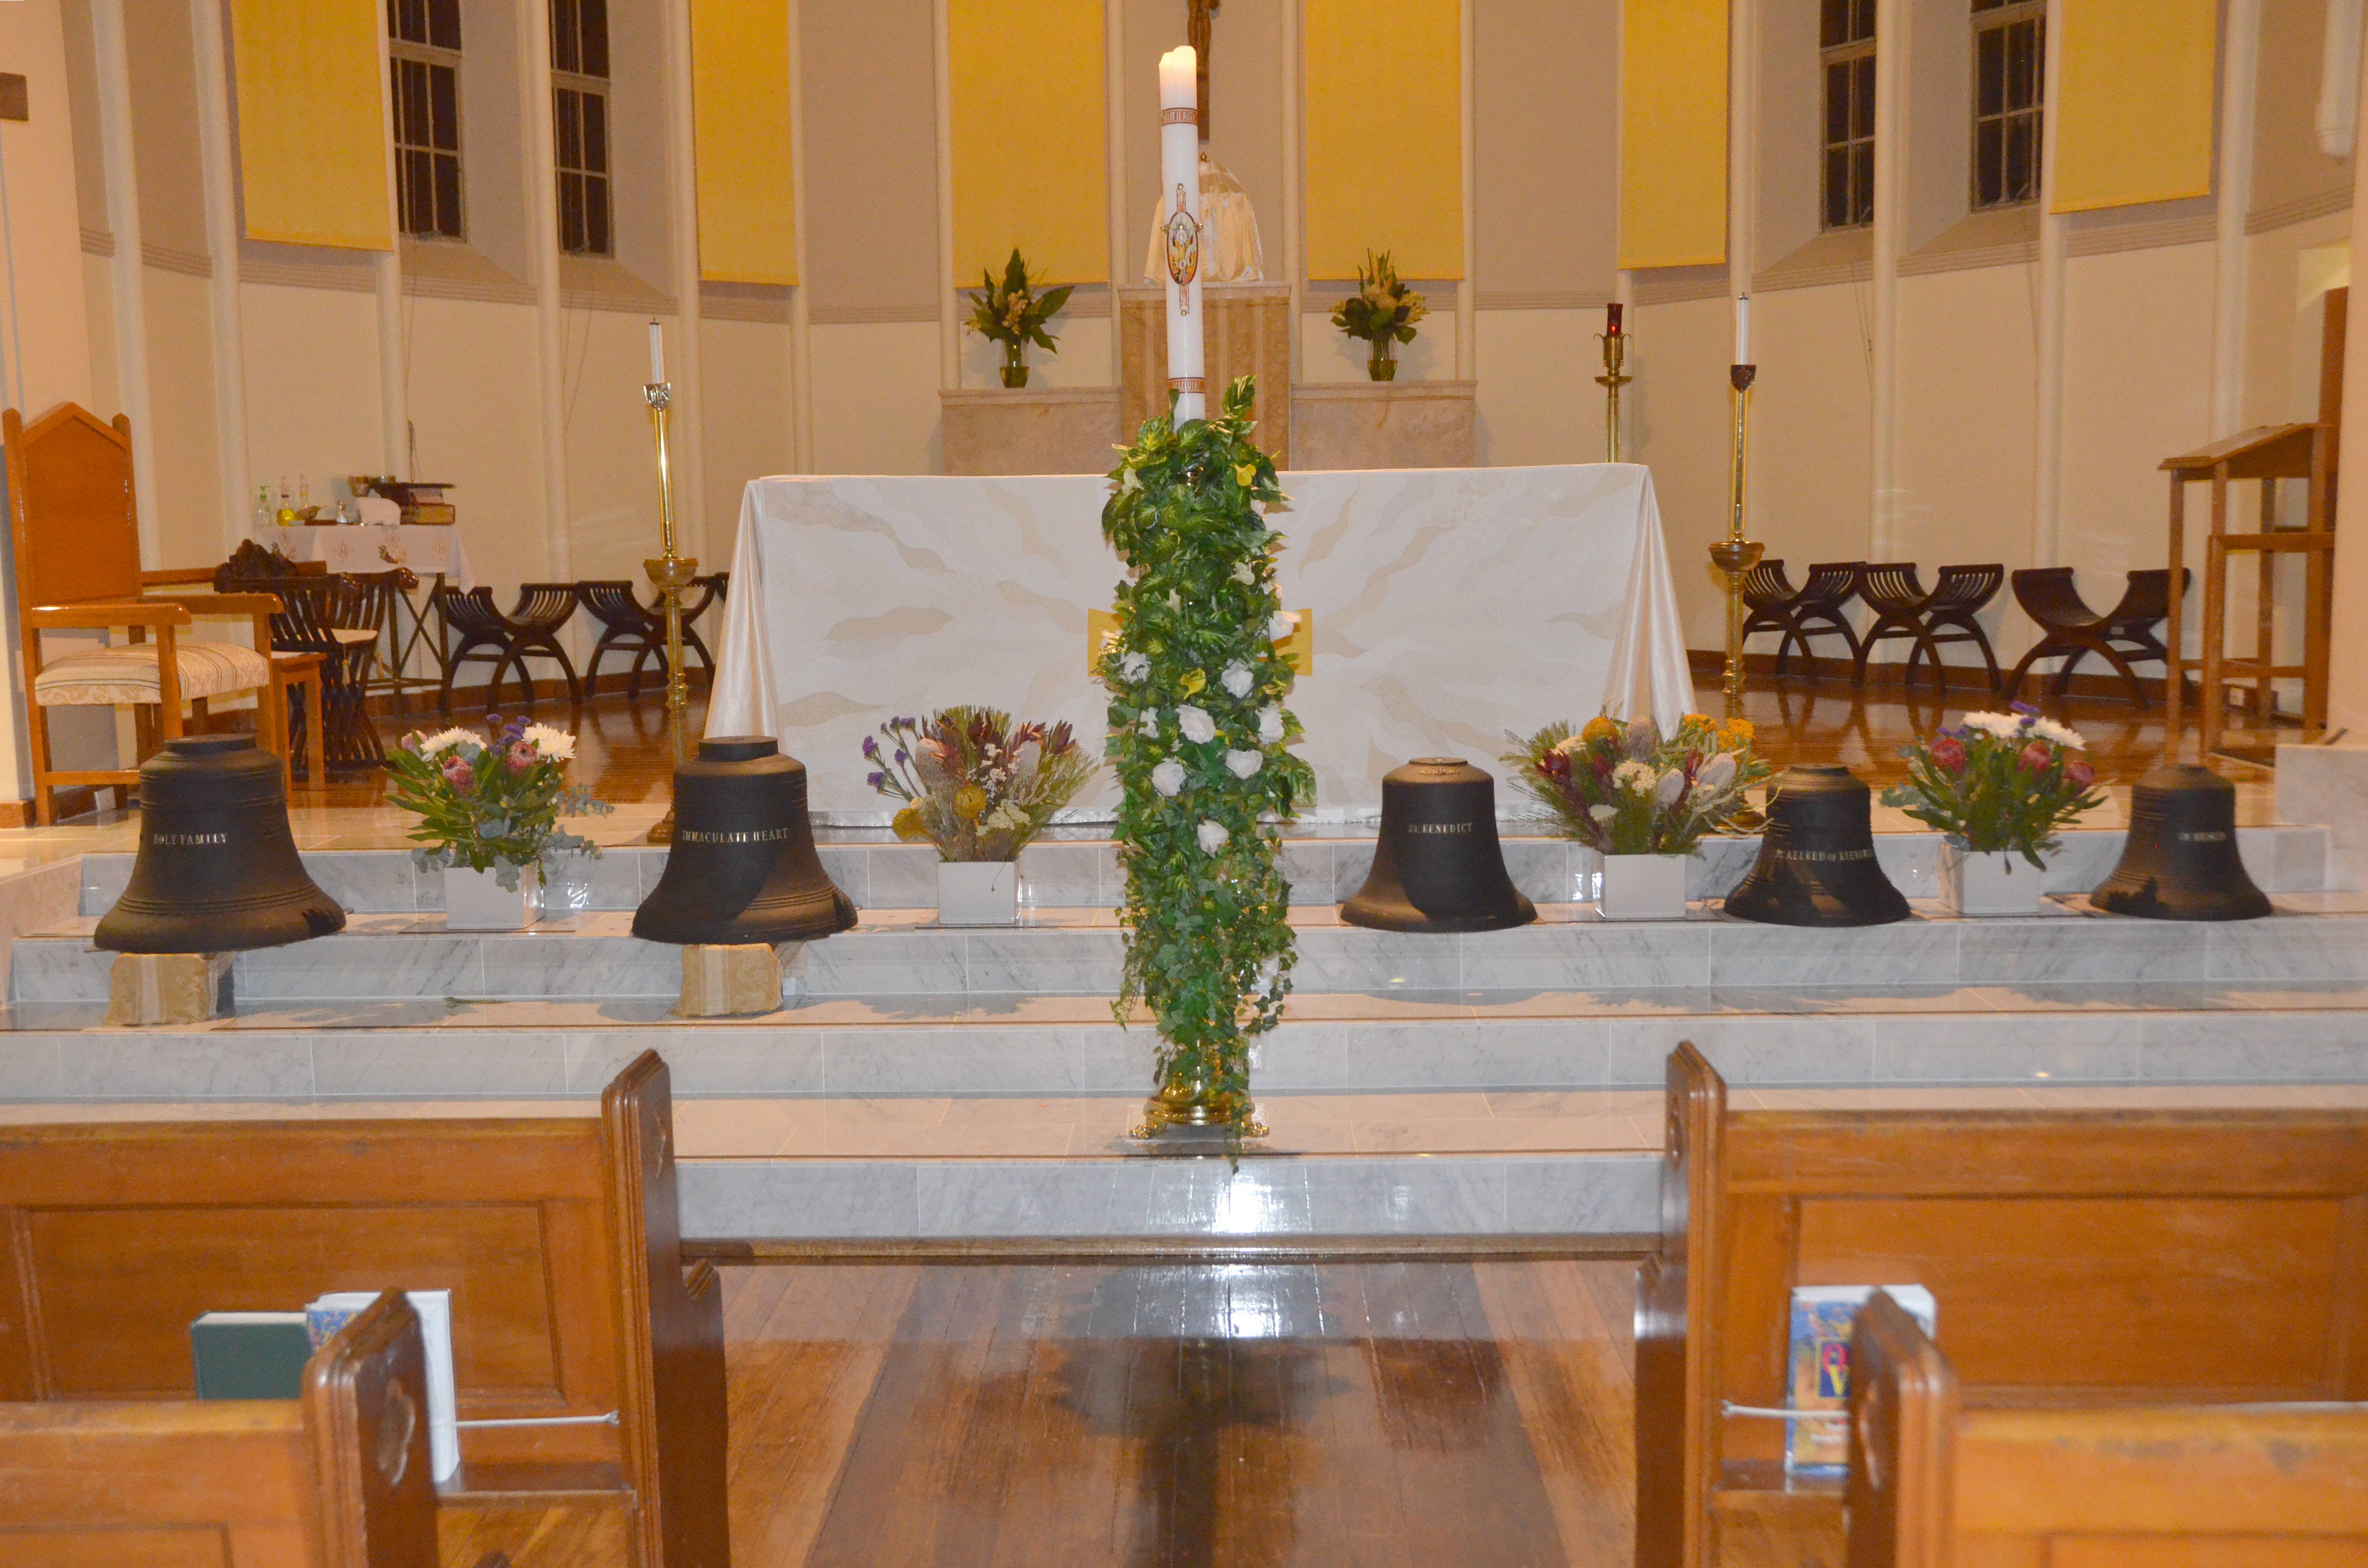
x: 1451, y: 607
x: 925, y: 1083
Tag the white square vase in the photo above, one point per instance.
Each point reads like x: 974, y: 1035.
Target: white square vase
x: 979, y: 893
x: 1644, y: 887
x: 1988, y: 882
x: 476, y: 900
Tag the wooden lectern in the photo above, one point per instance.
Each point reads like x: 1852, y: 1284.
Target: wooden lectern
x: 2265, y: 455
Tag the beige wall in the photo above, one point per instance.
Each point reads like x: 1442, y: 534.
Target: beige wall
x: 2137, y: 324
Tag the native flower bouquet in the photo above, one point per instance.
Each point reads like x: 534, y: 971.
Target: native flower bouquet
x: 974, y: 784
x: 1383, y: 311
x: 1012, y: 313
x: 1999, y: 783
x: 1197, y: 735
x: 492, y: 804
x: 1622, y: 789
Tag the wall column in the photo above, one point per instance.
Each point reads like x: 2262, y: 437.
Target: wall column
x: 130, y: 295
x: 682, y: 224
x: 1892, y: 36
x: 948, y: 307
x: 215, y: 151
x: 1467, y: 300
x: 2233, y: 194
x: 393, y: 377
x: 2047, y: 484
x: 2347, y: 707
x: 542, y: 247
x: 801, y: 319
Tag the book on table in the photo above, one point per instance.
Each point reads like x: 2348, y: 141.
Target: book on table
x: 1817, y: 1369
x: 327, y: 1314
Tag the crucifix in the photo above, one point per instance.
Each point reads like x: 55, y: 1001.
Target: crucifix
x: 1196, y: 33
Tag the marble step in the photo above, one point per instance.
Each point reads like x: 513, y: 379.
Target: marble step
x: 1083, y: 874
x: 2318, y: 937
x: 2162, y: 1032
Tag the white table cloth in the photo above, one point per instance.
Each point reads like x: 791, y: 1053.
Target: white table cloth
x: 1451, y: 606
x: 357, y: 548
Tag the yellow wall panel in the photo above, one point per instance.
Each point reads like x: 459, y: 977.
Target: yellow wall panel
x: 1029, y: 138
x: 740, y: 113
x: 312, y: 132
x: 2135, y: 101
x: 1384, y: 143
x: 1673, y: 134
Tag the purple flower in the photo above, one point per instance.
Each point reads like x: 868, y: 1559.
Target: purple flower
x: 2025, y: 708
x: 903, y: 755
x: 875, y: 780
x: 871, y: 748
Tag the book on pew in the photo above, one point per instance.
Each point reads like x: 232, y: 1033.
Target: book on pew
x: 1819, y: 1367
x: 326, y: 1315
x: 250, y: 1355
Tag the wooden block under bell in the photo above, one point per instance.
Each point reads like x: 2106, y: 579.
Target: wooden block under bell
x: 720, y: 982
x: 168, y: 988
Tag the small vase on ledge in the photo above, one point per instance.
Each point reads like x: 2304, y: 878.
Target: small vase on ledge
x: 1380, y: 367
x: 1015, y: 369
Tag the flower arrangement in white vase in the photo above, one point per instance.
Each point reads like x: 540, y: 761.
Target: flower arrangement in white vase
x: 979, y: 787
x: 1997, y: 787
x: 489, y: 808
x: 1643, y: 801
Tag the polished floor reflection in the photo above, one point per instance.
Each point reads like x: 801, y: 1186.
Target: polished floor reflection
x: 1176, y: 1415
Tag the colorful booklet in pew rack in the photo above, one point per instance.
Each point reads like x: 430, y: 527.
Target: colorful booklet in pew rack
x: 1818, y: 1369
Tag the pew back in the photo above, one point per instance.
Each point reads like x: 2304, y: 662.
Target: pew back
x: 1933, y: 1486
x: 337, y: 1479
x: 556, y: 1237
x: 2076, y: 1256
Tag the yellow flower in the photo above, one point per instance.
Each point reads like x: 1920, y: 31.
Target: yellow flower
x: 907, y: 824
x: 1244, y: 474
x: 1736, y: 734
x: 1600, y: 729
x: 1694, y: 718
x: 1193, y: 682
x: 969, y: 800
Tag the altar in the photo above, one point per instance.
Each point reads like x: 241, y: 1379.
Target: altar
x: 1451, y: 606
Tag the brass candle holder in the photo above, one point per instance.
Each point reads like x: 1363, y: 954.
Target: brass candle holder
x: 1734, y: 554
x: 670, y: 573
x: 1615, y: 352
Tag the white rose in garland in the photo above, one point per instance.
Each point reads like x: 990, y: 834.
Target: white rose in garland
x: 1209, y: 947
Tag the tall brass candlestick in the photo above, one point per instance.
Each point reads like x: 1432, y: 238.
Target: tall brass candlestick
x: 670, y: 573
x: 1615, y: 351
x: 1734, y: 554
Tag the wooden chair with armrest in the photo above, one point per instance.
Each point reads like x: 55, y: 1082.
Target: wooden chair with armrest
x: 77, y: 542
x: 1933, y: 1484
x: 289, y: 669
x: 338, y: 1478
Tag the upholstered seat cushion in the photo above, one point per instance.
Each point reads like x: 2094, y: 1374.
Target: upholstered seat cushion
x: 105, y: 676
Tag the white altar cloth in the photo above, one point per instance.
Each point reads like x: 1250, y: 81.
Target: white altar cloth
x: 366, y: 547
x: 1451, y: 606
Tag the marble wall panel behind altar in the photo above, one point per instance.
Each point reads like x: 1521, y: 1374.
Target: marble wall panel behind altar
x: 1451, y: 607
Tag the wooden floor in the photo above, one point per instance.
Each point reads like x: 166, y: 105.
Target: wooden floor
x: 1419, y: 1414
x: 622, y: 744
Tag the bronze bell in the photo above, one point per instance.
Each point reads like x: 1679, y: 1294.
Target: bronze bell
x: 1817, y: 864
x: 1438, y: 865
x: 741, y: 868
x: 218, y: 870
x: 2180, y: 861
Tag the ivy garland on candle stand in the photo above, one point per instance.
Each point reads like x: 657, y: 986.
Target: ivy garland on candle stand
x: 1198, y: 733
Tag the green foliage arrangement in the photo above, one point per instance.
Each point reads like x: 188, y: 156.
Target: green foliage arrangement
x: 1999, y: 783
x: 974, y: 783
x: 492, y: 804
x: 1624, y: 789
x: 1198, y: 737
x: 1383, y: 311
x: 1012, y: 313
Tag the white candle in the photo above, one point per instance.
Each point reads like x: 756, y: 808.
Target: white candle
x: 1180, y: 208
x: 1743, y: 329
x: 657, y: 353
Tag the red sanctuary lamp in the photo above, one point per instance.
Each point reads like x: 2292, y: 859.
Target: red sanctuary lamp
x: 1615, y: 351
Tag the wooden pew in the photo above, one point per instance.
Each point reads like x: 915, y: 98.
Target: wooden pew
x: 556, y: 1237
x: 1934, y: 1485
x: 2076, y: 1256
x: 336, y: 1479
